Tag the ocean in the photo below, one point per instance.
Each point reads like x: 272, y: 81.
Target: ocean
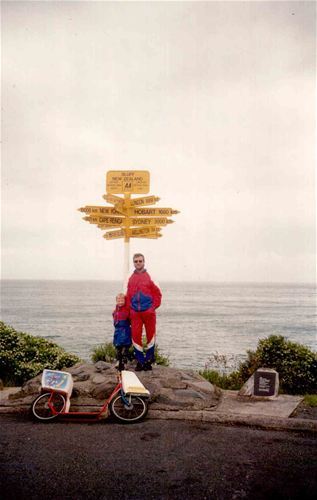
x: 197, y: 323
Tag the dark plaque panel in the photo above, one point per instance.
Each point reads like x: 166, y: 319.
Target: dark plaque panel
x: 264, y: 383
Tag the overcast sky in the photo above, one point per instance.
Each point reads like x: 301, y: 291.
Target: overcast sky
x: 215, y: 99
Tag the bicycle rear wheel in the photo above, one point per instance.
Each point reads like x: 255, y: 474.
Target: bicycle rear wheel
x: 41, y: 407
x: 135, y: 411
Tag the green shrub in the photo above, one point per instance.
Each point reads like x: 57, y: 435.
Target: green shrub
x: 104, y: 352
x: 160, y: 359
x: 295, y: 363
x: 107, y: 352
x: 232, y: 381
x: 23, y: 356
x: 311, y: 400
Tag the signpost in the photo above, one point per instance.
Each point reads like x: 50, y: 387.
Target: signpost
x: 128, y: 217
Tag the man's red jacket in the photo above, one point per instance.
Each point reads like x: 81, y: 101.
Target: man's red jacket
x: 142, y: 292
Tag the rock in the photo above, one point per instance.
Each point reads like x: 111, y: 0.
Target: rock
x: 190, y: 375
x: 189, y: 394
x: 248, y: 387
x: 98, y: 379
x: 102, y: 365
x: 81, y: 377
x: 103, y: 391
x: 174, y: 383
x: 203, y: 386
x: 31, y: 387
x: 77, y: 369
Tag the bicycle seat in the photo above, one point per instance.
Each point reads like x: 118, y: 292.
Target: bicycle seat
x: 132, y: 385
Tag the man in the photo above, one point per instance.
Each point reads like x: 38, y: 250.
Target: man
x: 144, y: 297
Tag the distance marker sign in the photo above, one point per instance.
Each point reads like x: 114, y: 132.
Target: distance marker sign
x: 147, y: 212
x: 136, y: 202
x: 95, y: 210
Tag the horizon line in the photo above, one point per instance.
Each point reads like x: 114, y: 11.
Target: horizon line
x: 170, y: 281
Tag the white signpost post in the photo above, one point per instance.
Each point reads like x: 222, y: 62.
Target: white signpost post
x: 128, y: 217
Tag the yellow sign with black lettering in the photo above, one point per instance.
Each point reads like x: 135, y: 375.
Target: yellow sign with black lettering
x: 154, y: 212
x: 148, y: 221
x: 129, y: 202
x: 128, y: 182
x: 95, y: 210
x: 141, y: 202
x: 143, y: 230
x: 112, y: 235
x: 99, y: 219
x: 111, y: 198
x: 149, y: 236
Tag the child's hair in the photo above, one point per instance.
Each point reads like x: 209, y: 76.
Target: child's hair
x: 121, y: 294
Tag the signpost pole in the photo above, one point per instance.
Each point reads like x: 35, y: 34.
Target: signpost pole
x: 126, y: 261
x: 126, y: 258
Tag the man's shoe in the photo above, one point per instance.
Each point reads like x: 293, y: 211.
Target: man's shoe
x: 147, y: 366
x: 139, y: 367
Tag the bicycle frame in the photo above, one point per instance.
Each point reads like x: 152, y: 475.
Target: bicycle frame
x: 91, y: 415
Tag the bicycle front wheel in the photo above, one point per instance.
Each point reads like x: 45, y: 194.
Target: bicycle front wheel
x: 135, y: 411
x: 42, y: 406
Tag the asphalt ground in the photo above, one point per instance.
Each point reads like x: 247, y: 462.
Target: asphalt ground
x: 154, y: 459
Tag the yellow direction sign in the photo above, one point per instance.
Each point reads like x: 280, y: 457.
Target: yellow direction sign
x: 134, y: 232
x: 131, y: 202
x: 148, y: 221
x: 94, y: 210
x: 148, y: 212
x: 111, y: 198
x: 99, y: 219
x: 108, y: 226
x: 150, y: 236
x: 146, y: 200
x: 112, y: 235
x: 143, y: 230
x: 128, y: 181
x: 105, y: 225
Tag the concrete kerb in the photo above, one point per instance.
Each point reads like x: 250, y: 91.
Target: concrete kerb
x: 211, y: 417
x: 269, y: 423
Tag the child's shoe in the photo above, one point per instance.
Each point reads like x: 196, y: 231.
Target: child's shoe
x: 139, y: 367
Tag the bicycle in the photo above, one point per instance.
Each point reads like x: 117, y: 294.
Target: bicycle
x: 128, y: 402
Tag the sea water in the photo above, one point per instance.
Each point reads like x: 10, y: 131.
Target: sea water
x: 195, y: 322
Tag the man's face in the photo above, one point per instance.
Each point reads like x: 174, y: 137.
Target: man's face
x: 138, y: 263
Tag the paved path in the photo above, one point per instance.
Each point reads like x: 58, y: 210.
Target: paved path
x: 155, y: 459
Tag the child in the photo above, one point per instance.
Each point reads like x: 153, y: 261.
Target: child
x: 122, y: 330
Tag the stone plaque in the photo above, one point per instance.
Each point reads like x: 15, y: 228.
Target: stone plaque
x: 265, y: 383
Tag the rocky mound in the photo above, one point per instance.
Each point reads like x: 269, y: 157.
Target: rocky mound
x: 170, y: 388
